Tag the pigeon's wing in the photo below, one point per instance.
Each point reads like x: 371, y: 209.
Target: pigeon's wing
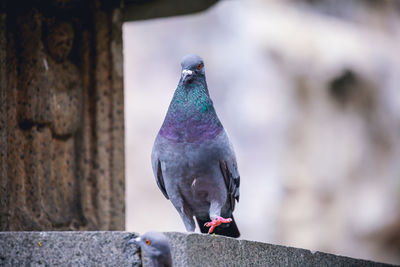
x: 160, y: 180
x: 156, y: 164
x: 232, y: 179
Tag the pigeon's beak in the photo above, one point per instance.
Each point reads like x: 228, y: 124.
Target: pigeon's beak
x: 135, y: 241
x: 186, y: 75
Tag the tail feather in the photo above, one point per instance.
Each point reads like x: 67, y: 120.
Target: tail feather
x: 226, y: 229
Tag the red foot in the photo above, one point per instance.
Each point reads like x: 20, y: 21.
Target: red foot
x: 217, y: 221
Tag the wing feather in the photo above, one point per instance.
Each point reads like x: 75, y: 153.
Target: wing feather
x: 232, y: 181
x: 160, y: 180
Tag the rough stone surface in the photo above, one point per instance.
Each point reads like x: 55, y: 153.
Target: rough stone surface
x: 205, y: 250
x: 67, y: 249
x: 110, y: 249
x: 61, y: 122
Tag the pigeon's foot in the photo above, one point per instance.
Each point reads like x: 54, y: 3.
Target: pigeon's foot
x: 217, y: 221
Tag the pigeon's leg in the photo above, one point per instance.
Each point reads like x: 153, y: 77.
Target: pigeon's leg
x: 185, y: 213
x: 188, y: 222
x: 216, y: 219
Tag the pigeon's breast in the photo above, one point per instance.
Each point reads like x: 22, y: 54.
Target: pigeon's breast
x: 191, y: 121
x: 191, y: 131
x: 193, y: 155
x: 191, y: 160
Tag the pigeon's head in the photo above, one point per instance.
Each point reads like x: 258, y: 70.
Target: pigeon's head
x: 155, y: 245
x: 192, y: 68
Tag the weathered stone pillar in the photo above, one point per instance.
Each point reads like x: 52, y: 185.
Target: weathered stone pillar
x: 61, y: 116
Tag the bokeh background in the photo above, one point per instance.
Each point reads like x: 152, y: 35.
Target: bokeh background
x: 309, y: 92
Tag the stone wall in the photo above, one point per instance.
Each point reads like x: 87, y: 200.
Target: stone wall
x: 61, y: 117
x: 110, y: 249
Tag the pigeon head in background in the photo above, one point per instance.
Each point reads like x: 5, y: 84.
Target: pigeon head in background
x: 156, y: 247
x: 192, y: 158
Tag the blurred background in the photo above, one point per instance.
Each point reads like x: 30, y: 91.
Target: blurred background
x: 309, y: 93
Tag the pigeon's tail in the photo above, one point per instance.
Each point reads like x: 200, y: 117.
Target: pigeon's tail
x: 225, y: 229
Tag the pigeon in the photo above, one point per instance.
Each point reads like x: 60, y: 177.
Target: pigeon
x: 156, y: 247
x: 192, y: 158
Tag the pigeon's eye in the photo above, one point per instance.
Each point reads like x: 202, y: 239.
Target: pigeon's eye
x: 148, y: 242
x: 199, y: 66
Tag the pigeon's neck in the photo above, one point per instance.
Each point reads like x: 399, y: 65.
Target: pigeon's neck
x: 162, y: 260
x: 191, y: 116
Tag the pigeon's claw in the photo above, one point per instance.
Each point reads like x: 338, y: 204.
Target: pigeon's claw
x: 216, y: 222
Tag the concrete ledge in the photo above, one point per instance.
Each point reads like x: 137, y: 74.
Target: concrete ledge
x: 110, y: 249
x: 150, y: 9
x: 67, y: 249
x: 206, y: 250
